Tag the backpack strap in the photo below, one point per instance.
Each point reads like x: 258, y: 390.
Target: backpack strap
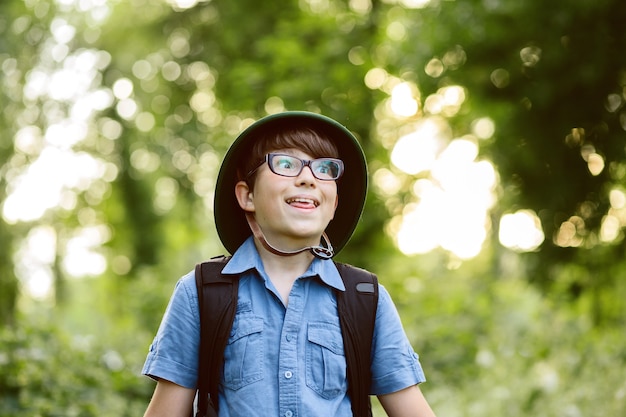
x: 217, y: 300
x: 357, y: 316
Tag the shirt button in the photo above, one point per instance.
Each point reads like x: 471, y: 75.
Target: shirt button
x: 288, y: 375
x: 288, y: 413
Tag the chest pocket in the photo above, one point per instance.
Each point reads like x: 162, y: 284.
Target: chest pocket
x: 243, y: 355
x: 325, y: 360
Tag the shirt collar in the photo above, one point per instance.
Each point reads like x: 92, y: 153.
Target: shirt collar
x: 247, y: 258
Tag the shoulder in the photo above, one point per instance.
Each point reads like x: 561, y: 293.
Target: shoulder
x: 354, y: 270
x: 353, y: 276
x: 185, y: 294
x: 385, y: 302
x: 362, y: 280
x: 187, y: 283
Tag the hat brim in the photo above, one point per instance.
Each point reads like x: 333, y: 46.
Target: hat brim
x: 230, y: 220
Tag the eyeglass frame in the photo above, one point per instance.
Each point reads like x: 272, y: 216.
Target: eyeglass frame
x: 305, y: 162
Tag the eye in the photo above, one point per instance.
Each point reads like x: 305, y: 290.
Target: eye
x: 327, y: 168
x: 324, y: 168
x: 285, y: 163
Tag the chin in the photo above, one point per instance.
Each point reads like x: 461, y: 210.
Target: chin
x: 307, y: 235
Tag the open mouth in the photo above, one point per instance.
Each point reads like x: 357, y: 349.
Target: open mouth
x: 303, y: 202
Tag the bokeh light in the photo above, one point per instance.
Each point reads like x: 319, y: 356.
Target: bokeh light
x: 521, y: 231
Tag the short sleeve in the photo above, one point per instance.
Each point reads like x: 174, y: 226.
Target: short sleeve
x: 395, y: 365
x: 173, y: 354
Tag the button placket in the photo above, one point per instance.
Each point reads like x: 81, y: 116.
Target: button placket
x: 288, y: 354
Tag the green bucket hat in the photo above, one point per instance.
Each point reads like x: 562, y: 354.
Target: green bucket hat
x: 230, y: 219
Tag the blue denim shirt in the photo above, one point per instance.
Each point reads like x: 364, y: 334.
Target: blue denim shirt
x: 281, y: 360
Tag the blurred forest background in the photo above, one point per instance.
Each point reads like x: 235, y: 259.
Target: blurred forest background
x: 496, y: 138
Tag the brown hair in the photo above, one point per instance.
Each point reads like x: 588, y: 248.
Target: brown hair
x: 304, y: 139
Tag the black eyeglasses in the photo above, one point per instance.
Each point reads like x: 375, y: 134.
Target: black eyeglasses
x: 325, y: 169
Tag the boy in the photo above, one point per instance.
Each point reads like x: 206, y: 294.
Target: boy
x: 291, y: 186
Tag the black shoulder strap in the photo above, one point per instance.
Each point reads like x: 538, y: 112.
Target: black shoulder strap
x: 217, y: 300
x: 357, y: 316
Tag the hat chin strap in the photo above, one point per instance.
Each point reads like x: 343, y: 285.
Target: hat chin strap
x: 323, y: 252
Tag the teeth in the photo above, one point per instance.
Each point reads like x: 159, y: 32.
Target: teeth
x: 303, y: 200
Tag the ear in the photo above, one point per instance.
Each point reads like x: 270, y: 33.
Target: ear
x: 244, y: 196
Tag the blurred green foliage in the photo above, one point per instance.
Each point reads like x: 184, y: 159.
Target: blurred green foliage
x: 494, y: 346
x: 47, y: 371
x: 512, y: 334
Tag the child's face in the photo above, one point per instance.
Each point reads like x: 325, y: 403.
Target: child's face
x: 292, y: 211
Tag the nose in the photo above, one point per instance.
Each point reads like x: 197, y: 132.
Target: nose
x: 306, y: 175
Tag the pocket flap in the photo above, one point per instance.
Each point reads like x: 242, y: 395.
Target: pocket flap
x: 327, y: 336
x: 244, y: 327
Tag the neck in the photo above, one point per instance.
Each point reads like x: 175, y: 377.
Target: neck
x: 283, y: 271
x: 275, y: 264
